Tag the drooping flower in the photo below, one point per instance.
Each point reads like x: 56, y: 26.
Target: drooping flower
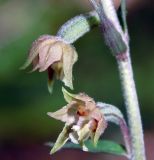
x: 53, y: 54
x: 82, y: 118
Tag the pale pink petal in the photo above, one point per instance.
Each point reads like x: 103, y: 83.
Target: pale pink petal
x: 99, y: 130
x: 35, y: 64
x: 84, y: 98
x: 53, y: 54
x: 90, y: 106
x: 34, y: 51
x: 84, y: 132
x: 66, y: 114
x: 43, y: 52
x: 69, y: 58
x: 96, y: 114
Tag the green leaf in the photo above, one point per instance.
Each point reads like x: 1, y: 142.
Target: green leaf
x: 105, y: 146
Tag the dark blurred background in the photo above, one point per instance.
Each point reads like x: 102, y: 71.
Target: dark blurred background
x: 24, y: 99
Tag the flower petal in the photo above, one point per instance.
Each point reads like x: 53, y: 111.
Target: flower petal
x: 69, y: 58
x: 84, y: 132
x: 84, y: 98
x: 81, y: 98
x: 96, y: 114
x: 52, y: 53
x: 68, y: 96
x: 43, y: 52
x: 61, y: 114
x: 35, y: 64
x: 100, y: 130
x: 66, y: 114
x: 90, y: 106
x: 62, y: 139
x: 34, y: 51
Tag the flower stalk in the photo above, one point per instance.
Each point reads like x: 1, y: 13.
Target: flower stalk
x: 114, y: 115
x: 78, y: 26
x: 132, y: 107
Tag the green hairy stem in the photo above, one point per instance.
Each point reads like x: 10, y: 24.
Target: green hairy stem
x: 132, y: 108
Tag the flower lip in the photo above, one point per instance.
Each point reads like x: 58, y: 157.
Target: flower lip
x: 93, y: 125
x: 82, y: 111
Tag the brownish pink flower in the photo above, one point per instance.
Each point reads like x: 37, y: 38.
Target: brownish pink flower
x: 55, y: 55
x: 83, y: 119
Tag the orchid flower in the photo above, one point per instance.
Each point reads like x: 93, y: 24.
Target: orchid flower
x: 82, y: 118
x: 53, y: 54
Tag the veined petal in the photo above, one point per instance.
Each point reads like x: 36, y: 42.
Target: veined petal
x: 34, y: 51
x: 90, y: 105
x: 83, y: 98
x: 69, y: 58
x: 61, y: 114
x: 96, y: 114
x: 43, y: 52
x: 66, y: 114
x: 35, y: 64
x: 62, y: 139
x: 99, y: 130
x: 84, y: 132
x: 68, y: 96
x: 52, y: 53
